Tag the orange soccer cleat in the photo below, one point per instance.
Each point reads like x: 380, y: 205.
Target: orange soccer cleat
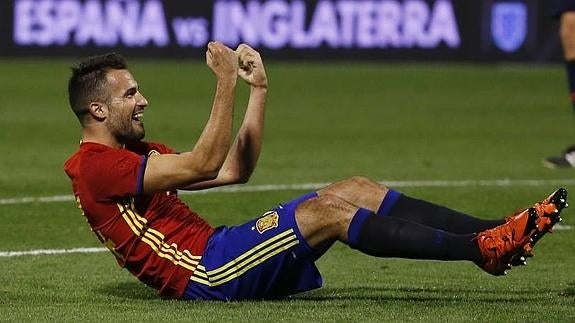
x: 509, y: 243
x: 542, y: 217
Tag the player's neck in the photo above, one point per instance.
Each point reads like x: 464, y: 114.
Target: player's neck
x: 103, y: 138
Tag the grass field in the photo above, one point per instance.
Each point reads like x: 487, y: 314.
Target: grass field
x: 404, y: 123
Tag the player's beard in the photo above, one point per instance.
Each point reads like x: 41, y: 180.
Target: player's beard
x: 125, y: 129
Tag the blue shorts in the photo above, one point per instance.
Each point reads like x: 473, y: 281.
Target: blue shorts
x: 562, y: 6
x: 265, y: 258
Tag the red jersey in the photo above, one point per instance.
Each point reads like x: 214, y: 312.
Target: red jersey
x: 156, y: 237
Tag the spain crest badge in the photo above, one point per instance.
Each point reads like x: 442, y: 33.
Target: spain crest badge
x: 268, y: 220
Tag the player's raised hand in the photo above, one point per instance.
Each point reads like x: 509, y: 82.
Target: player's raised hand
x: 251, y: 67
x: 222, y: 60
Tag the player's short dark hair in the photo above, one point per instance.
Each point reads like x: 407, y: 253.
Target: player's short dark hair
x: 88, y: 81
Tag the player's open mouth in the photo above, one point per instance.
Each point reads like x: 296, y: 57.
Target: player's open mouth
x: 138, y: 116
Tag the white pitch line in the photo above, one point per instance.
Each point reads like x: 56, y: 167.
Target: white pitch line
x: 49, y: 252
x: 282, y: 187
x: 40, y: 252
x: 314, y: 186
x: 562, y: 227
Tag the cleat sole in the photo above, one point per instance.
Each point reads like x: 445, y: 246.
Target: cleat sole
x: 541, y: 223
x: 541, y: 218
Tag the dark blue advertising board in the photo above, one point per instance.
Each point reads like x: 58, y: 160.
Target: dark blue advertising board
x: 436, y: 30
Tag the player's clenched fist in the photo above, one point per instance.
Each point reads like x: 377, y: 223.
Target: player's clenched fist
x: 222, y: 60
x: 251, y: 66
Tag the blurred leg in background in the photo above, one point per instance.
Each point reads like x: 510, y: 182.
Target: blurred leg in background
x: 565, y: 12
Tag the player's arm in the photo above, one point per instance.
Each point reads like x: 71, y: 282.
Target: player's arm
x: 173, y: 171
x: 245, y: 151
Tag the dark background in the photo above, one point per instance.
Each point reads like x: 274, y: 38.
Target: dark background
x: 473, y: 18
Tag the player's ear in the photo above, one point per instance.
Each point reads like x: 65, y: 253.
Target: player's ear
x: 98, y: 110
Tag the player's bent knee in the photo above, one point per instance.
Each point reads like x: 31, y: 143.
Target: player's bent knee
x: 329, y: 203
x: 567, y: 32
x: 361, y: 180
x: 324, y: 218
x: 364, y: 182
x: 324, y: 211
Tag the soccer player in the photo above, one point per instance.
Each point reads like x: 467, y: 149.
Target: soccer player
x: 127, y: 189
x: 564, y: 10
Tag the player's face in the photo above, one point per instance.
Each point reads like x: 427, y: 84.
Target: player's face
x: 126, y: 107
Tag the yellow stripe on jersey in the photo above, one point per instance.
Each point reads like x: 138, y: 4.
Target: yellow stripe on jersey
x: 158, y: 238
x: 161, y: 248
x: 246, y: 261
x: 156, y: 242
x: 155, y: 239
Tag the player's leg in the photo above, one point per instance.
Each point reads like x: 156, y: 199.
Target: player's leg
x: 567, y: 35
x: 565, y: 11
x: 365, y: 193
x: 328, y: 218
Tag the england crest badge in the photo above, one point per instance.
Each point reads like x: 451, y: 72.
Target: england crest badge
x: 509, y: 25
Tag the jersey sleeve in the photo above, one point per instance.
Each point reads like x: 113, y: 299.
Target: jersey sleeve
x: 116, y: 173
x: 161, y: 148
x: 149, y: 148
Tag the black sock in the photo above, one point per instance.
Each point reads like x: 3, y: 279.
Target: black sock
x: 570, y: 69
x: 383, y: 236
x: 439, y: 217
